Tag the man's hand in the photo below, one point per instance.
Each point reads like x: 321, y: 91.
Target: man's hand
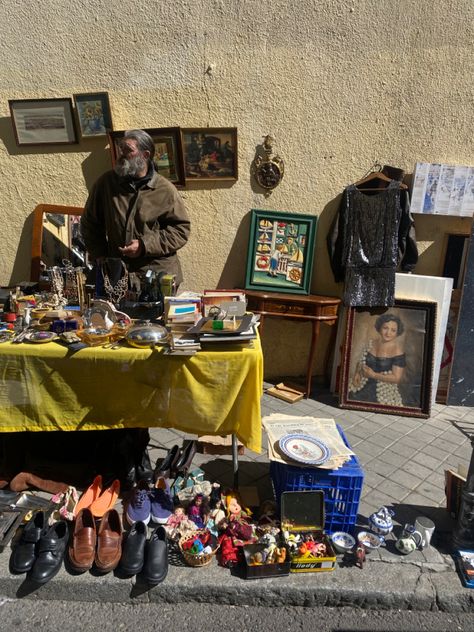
x: 132, y: 250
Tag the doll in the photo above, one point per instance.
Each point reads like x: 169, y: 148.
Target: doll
x: 239, y: 525
x: 198, y: 510
x: 178, y: 524
x: 216, y: 510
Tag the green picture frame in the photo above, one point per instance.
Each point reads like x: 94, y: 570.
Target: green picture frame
x: 281, y: 252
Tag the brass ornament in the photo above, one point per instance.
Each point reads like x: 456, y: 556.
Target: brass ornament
x: 268, y: 170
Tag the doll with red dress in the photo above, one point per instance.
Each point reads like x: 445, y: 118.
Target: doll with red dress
x: 236, y: 529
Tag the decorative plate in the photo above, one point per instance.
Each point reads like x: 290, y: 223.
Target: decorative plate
x: 40, y: 336
x: 305, y: 449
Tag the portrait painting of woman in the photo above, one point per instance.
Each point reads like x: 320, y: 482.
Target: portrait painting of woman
x: 388, y: 358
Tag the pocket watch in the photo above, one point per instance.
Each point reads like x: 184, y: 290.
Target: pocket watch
x: 267, y: 169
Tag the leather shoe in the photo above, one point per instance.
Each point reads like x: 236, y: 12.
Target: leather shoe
x: 155, y: 568
x: 167, y: 466
x: 81, y: 550
x: 188, y: 451
x: 51, y: 549
x: 133, y: 554
x: 109, y: 542
x: 24, y: 554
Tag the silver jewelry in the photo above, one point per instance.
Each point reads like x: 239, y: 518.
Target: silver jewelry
x: 57, y: 285
x: 115, y: 293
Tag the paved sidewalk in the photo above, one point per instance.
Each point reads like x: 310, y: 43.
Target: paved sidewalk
x: 404, y: 461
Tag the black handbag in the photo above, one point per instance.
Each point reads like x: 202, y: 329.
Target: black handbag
x: 149, y: 304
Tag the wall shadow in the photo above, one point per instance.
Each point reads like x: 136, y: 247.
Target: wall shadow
x: 233, y: 272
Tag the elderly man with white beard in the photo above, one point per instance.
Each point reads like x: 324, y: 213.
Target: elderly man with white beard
x: 135, y: 214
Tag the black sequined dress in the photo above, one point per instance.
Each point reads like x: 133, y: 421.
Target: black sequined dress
x: 372, y: 233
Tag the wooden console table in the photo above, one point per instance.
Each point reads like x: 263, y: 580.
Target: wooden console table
x: 313, y: 308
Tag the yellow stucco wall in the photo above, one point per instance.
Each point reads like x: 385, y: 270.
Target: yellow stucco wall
x: 339, y: 84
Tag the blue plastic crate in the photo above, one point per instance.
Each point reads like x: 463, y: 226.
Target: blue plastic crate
x: 342, y: 488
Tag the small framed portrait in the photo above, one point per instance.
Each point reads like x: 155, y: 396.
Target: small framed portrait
x: 43, y: 121
x: 280, y: 253
x: 93, y: 114
x: 210, y: 153
x: 168, y: 157
x: 387, y: 361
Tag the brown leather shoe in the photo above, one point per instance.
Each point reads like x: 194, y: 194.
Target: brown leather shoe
x: 109, y: 542
x: 83, y: 541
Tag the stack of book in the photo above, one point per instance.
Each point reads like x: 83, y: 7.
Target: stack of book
x: 181, y: 312
x: 220, y: 299
x: 184, y: 344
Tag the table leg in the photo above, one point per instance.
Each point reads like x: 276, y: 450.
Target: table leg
x: 235, y: 460
x: 314, y: 339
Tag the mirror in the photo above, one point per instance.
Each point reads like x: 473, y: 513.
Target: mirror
x: 56, y: 236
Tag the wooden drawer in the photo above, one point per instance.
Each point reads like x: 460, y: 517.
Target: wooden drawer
x: 282, y: 308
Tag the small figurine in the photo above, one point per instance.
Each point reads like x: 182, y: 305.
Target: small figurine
x: 360, y: 556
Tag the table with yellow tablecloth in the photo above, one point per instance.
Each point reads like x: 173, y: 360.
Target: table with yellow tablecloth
x: 217, y: 391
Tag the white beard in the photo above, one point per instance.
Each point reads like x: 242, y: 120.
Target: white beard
x: 130, y: 167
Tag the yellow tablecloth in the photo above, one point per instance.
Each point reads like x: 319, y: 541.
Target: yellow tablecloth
x: 49, y: 387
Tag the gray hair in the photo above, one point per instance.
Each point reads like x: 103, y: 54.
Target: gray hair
x: 144, y: 140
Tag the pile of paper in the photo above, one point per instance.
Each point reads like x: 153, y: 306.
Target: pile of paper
x: 325, y: 430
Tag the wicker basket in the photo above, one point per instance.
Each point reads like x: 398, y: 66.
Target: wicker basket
x: 191, y: 558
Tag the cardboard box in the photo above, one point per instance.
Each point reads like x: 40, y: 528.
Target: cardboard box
x: 302, y: 514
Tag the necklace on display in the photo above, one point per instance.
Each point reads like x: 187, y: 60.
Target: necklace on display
x: 115, y: 293
x: 57, y: 285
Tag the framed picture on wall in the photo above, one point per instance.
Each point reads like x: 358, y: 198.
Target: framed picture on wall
x: 43, y: 121
x: 280, y: 252
x: 93, y: 114
x: 210, y: 153
x: 168, y: 157
x: 388, y: 358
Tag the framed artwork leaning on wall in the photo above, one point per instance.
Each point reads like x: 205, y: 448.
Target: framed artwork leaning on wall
x: 388, y: 358
x: 43, y: 121
x: 280, y: 253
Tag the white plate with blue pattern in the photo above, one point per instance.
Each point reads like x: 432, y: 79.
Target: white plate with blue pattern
x: 304, y: 449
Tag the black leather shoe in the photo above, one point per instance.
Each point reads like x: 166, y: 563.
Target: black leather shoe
x: 50, y: 553
x: 133, y: 552
x: 24, y: 554
x: 188, y: 451
x: 167, y: 466
x: 155, y: 568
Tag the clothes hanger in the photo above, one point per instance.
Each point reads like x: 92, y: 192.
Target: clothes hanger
x: 376, y: 175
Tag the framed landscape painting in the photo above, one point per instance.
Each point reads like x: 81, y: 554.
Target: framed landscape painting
x: 388, y: 356
x: 43, y: 121
x: 168, y: 152
x: 280, y: 253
